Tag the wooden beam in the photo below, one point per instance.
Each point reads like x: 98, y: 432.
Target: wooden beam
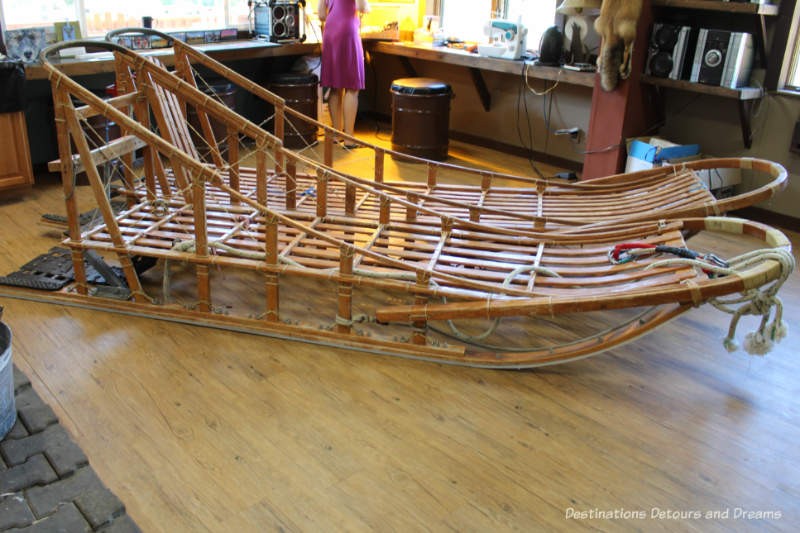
x: 103, y: 154
x: 618, y: 114
x: 480, y: 87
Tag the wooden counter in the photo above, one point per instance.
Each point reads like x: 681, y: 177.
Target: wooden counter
x: 103, y: 61
x: 467, y: 59
x: 229, y: 51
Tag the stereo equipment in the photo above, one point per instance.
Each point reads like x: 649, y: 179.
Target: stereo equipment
x: 287, y: 21
x: 670, y: 53
x: 280, y: 21
x: 723, y: 58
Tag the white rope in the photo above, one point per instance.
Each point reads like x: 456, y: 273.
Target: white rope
x: 473, y: 339
x: 757, y: 302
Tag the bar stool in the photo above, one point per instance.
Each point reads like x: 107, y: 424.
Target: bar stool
x: 421, y: 117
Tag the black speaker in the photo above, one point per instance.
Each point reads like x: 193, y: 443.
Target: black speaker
x: 287, y: 21
x: 723, y: 58
x: 670, y: 51
x: 551, y: 47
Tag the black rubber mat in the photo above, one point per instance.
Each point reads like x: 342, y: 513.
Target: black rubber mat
x: 53, y: 271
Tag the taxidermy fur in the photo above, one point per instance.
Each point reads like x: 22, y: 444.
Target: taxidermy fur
x: 617, y: 27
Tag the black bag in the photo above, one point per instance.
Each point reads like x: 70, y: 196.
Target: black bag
x: 12, y: 86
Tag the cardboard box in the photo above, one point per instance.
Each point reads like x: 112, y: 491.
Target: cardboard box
x: 650, y: 152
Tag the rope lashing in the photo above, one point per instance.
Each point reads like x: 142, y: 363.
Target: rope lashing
x: 159, y: 207
x: 757, y: 302
x: 473, y: 339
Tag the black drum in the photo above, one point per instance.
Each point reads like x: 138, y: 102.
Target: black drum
x: 300, y: 93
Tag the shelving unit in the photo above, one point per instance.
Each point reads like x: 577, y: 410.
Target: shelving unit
x: 717, y: 5
x: 747, y: 15
x: 742, y: 93
x: 745, y: 96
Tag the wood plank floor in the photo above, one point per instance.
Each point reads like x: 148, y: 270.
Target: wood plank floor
x: 206, y: 430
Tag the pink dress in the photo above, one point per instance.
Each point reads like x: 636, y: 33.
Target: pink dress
x: 342, y: 53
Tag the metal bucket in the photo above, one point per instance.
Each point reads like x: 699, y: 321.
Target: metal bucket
x: 8, y: 410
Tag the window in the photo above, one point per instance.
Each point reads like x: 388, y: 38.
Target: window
x: 793, y: 81
x: 536, y: 15
x: 100, y: 16
x: 462, y: 18
x: 29, y: 14
x: 168, y: 15
x: 465, y: 19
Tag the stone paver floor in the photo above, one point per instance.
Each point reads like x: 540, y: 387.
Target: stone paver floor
x: 46, y: 483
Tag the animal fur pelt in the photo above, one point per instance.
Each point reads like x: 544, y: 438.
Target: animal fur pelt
x: 617, y: 27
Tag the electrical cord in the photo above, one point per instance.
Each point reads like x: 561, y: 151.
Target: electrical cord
x: 530, y: 143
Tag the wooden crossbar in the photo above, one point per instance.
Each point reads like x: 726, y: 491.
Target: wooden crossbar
x: 119, y: 102
x: 102, y: 154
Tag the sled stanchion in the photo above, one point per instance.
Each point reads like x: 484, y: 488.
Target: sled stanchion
x: 345, y: 313
x: 411, y: 210
x: 328, y: 148
x: 322, y: 193
x: 380, y: 157
x: 432, y: 169
x: 419, y: 324
x: 233, y: 161
x: 261, y: 173
x: 201, y: 243
x: 386, y: 210
x: 271, y: 277
x: 290, y: 187
x: 350, y: 199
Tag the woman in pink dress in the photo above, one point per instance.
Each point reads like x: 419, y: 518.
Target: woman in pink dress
x: 342, y: 59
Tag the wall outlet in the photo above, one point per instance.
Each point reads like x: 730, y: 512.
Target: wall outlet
x: 572, y: 132
x: 795, y: 147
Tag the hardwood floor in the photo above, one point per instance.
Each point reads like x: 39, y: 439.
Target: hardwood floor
x: 206, y: 430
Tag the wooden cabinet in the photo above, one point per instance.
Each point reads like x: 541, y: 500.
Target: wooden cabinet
x: 15, y: 156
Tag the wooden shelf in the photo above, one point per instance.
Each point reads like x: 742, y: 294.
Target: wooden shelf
x: 717, y: 5
x: 742, y: 93
x: 744, y: 96
x: 103, y: 62
x: 467, y: 59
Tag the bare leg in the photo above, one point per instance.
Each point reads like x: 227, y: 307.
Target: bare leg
x: 349, y: 109
x: 335, y: 104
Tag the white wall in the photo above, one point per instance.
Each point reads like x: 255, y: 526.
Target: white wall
x: 570, y: 107
x: 714, y: 124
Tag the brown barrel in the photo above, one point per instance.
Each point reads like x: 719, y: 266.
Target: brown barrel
x: 300, y: 93
x: 421, y: 117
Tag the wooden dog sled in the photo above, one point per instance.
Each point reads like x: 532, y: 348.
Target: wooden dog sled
x: 317, y: 255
